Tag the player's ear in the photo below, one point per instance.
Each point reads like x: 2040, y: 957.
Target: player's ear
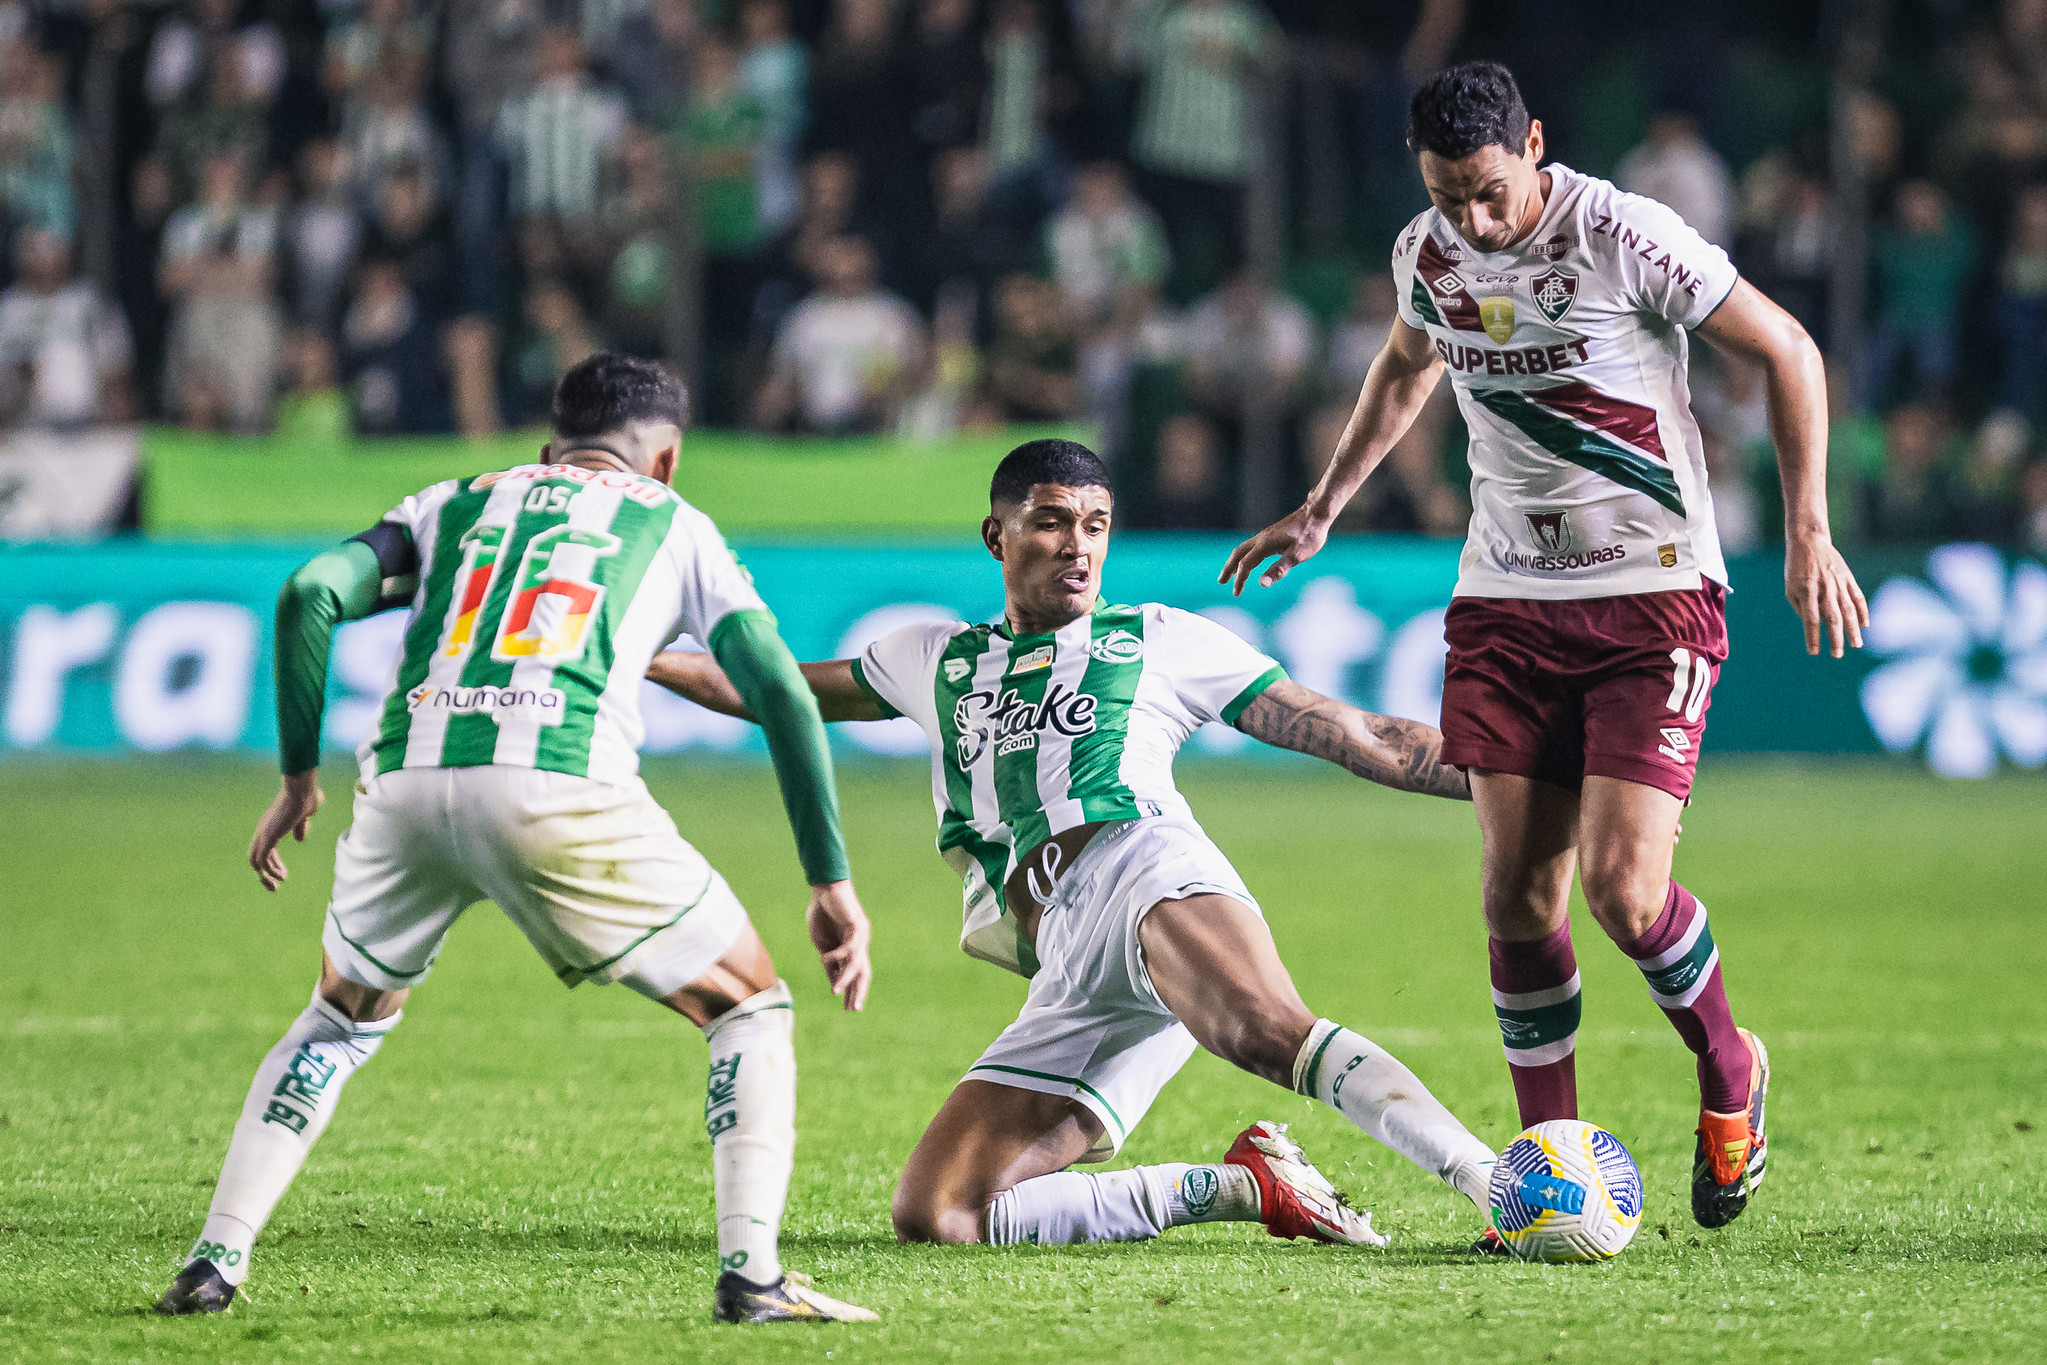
x: 1534, y: 143
x: 665, y: 463
x: 547, y: 452
x: 991, y: 536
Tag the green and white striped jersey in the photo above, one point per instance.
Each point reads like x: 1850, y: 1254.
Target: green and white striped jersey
x: 544, y: 592
x: 1034, y: 735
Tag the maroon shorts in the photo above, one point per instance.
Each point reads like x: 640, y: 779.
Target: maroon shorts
x: 1612, y: 686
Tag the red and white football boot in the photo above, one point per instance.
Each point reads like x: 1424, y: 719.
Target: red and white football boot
x: 1295, y: 1199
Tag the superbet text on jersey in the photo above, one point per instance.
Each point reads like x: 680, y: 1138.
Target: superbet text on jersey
x: 1567, y: 352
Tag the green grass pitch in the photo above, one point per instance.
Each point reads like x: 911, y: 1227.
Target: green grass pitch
x: 522, y: 1173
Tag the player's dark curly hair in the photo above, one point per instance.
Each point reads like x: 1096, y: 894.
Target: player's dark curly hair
x: 609, y: 390
x: 1469, y: 106
x: 1068, y: 463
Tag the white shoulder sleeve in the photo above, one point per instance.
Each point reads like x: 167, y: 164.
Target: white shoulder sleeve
x: 714, y: 583
x: 1664, y: 266
x: 415, y: 511
x: 898, y: 669
x: 1214, y: 674
x: 1406, y: 248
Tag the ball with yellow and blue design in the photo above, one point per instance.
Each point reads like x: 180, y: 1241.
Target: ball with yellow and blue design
x: 1566, y: 1190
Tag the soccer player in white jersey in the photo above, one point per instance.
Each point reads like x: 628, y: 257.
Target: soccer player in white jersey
x: 505, y: 767
x: 1053, y: 731
x: 1588, y: 626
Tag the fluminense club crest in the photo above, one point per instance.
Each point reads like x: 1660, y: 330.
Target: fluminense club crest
x: 1556, y: 289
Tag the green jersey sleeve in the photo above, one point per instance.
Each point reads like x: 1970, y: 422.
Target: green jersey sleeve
x: 338, y: 585
x: 764, y: 672
x: 366, y: 574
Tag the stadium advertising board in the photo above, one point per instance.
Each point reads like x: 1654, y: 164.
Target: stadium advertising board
x: 147, y: 647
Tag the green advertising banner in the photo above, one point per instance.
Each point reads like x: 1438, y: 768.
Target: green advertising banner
x: 203, y: 486
x: 132, y: 646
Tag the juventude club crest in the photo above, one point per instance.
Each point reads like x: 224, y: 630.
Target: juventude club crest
x: 1552, y: 531
x: 1117, y: 647
x: 1556, y: 289
x: 1198, y: 1190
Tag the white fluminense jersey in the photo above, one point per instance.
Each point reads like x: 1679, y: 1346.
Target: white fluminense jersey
x: 1567, y: 352
x: 1034, y: 735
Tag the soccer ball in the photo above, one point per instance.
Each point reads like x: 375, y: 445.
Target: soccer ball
x: 1566, y: 1191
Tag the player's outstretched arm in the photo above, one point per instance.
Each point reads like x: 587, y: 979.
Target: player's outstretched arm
x: 342, y: 584
x: 1817, y: 580
x: 1400, y: 381
x: 1402, y: 754
x: 698, y: 678
x: 761, y: 672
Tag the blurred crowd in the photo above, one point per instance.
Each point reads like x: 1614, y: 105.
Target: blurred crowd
x: 331, y: 218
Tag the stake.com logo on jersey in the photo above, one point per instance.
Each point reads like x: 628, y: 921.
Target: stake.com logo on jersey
x: 1014, y: 723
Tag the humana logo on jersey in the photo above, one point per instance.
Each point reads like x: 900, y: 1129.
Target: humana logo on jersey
x: 544, y: 704
x: 1012, y: 723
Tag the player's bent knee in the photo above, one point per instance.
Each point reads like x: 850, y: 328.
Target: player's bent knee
x: 920, y: 1216
x: 363, y: 1004
x: 1624, y: 896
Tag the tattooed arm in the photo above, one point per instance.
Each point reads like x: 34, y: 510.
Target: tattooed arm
x: 1402, y: 754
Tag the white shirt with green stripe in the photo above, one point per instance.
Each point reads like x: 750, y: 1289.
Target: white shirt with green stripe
x: 544, y: 592
x: 1569, y: 356
x: 1034, y: 735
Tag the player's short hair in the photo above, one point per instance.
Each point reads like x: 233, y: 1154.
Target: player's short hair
x: 1469, y: 106
x: 1067, y: 463
x: 609, y: 390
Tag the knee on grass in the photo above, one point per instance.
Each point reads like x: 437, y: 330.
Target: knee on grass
x: 925, y: 1216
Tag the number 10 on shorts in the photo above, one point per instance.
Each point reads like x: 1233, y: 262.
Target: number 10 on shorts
x: 1691, y: 678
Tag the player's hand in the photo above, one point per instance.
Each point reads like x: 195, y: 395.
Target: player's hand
x: 292, y: 809
x: 1824, y: 593
x: 840, y: 933
x: 1293, y: 538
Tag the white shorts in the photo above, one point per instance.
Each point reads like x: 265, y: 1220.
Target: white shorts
x: 1092, y: 1027
x: 593, y: 873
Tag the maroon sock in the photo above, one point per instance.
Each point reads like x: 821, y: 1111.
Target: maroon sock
x: 1682, y: 965
x: 1535, y: 995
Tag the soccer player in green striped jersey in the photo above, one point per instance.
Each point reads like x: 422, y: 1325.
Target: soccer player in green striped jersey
x: 504, y: 766
x: 1053, y: 732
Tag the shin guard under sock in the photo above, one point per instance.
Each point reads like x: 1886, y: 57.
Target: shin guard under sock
x: 1370, y: 1087
x: 750, y: 1114
x: 1682, y: 965
x: 1536, y: 997
x: 289, y: 1104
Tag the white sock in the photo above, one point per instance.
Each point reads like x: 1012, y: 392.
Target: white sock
x: 289, y: 1103
x: 1370, y: 1087
x: 1120, y: 1206
x: 750, y: 1114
